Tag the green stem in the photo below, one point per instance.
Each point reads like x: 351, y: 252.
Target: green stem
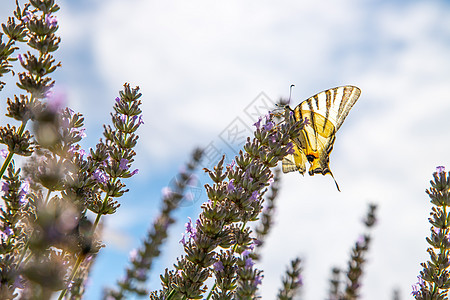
x: 72, y: 275
x: 171, y: 294
x: 97, y: 219
x: 6, y: 163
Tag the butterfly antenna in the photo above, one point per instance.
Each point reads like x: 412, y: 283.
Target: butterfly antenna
x: 290, y: 92
x: 337, y: 185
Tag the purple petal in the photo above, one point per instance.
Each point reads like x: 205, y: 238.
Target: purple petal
x: 4, y: 153
x: 440, y: 169
x: 123, y: 165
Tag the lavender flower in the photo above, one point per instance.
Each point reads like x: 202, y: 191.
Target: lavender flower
x: 258, y: 123
x: 254, y: 196
x: 433, y: 279
x: 4, y: 153
x: 100, y: 176
x: 5, y: 187
x: 123, y: 165
x: 290, y: 147
x: 249, y: 263
x: 218, y: 266
x: 24, y: 190
x: 139, y: 118
x: 50, y: 20
x: 292, y: 281
x: 230, y: 187
x: 306, y: 121
x: 268, y: 126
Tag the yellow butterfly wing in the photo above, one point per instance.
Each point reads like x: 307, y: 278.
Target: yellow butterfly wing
x: 322, y: 115
x: 295, y: 161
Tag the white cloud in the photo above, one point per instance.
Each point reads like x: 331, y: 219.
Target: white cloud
x: 201, y: 62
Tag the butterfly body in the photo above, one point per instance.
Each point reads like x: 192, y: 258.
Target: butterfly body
x: 322, y: 116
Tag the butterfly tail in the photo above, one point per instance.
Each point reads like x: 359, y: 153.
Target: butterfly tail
x: 337, y: 185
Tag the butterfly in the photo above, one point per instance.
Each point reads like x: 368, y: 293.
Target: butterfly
x: 322, y: 116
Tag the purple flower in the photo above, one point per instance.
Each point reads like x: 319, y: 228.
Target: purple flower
x: 28, y: 17
x: 245, y: 253
x: 306, y: 121
x: 231, y: 165
x: 299, y: 279
x: 230, y: 187
x: 134, y: 172
x: 290, y: 148
x: 50, y: 20
x: 123, y: 118
x: 82, y: 152
x: 20, y: 59
x: 268, y: 126
x: 189, y: 227
x: 18, y: 282
x: 183, y: 239
x: 218, y: 266
x: 8, y: 231
x: 416, y: 287
x: 258, y: 123
x: 81, y: 133
x: 100, y: 176
x: 4, y: 153
x: 24, y: 190
x: 258, y: 280
x: 415, y: 290
x: 117, y: 99
x: 78, y: 132
x: 139, y: 118
x: 190, y: 230
x: 254, y: 196
x: 252, y: 244
x: 123, y: 165
x: 420, y: 281
x: 249, y: 263
x: 440, y: 169
x: 272, y: 138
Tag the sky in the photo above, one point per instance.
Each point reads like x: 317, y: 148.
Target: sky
x: 203, y: 66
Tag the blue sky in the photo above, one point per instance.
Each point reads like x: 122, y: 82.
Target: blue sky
x: 200, y: 64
